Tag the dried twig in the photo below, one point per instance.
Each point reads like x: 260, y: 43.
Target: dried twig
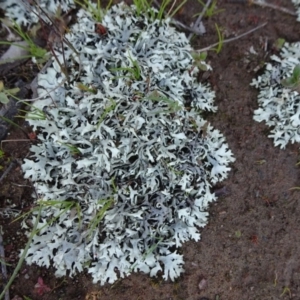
x: 3, y: 264
x: 8, y: 141
x: 198, y: 21
x: 232, y: 39
x: 169, y: 12
x: 11, y: 165
x: 263, y: 3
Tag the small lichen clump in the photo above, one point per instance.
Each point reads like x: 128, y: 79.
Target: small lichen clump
x: 297, y: 6
x: 125, y: 162
x: 279, y: 103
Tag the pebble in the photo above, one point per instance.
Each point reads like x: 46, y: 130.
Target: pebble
x: 202, y: 284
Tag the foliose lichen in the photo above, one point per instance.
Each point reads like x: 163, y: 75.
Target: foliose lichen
x: 124, y: 162
x: 297, y: 6
x: 279, y: 103
x: 24, y: 13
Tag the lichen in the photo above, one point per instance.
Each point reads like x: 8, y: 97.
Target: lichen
x: 26, y: 14
x: 124, y: 162
x: 278, y: 103
x: 297, y: 6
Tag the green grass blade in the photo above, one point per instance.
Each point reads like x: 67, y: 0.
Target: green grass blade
x: 221, y: 39
x: 11, y: 122
x: 22, y: 258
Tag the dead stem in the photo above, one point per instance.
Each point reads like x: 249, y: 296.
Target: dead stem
x: 232, y: 39
x: 263, y: 3
x: 20, y: 140
x: 198, y: 21
x: 11, y: 165
x: 169, y: 12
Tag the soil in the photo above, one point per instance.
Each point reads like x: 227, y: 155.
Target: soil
x: 250, y: 248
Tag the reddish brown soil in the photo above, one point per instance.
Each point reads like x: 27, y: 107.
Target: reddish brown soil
x: 250, y: 248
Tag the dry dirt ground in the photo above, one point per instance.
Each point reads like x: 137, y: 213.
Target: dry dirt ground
x: 250, y: 248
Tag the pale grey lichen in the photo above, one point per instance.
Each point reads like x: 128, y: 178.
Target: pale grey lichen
x: 24, y: 12
x: 279, y: 106
x: 297, y: 6
x: 125, y: 162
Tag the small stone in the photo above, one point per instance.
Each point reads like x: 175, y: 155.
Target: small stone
x: 202, y: 284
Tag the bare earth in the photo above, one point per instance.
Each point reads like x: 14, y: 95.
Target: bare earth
x: 250, y: 248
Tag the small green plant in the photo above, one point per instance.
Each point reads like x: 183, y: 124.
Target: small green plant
x: 5, y: 93
x: 135, y: 71
x: 216, y: 46
x: 279, y: 43
x: 172, y: 104
x: 293, y: 82
x: 4, y: 159
x: 34, y: 114
x: 211, y: 10
x: 107, y: 110
x: 73, y: 149
x: 238, y: 234
x: 66, y: 205
x: 171, y: 12
x: 199, y: 59
x: 220, y: 38
x: 162, y: 9
x: 105, y: 205
x: 176, y: 172
x: 286, y: 290
x: 97, y: 12
x: 145, y: 7
x: 148, y: 252
x: 275, y: 279
x: 2, y: 154
x: 86, y: 88
x: 34, y: 51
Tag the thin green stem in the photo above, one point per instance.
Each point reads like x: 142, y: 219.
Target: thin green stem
x: 21, y: 260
